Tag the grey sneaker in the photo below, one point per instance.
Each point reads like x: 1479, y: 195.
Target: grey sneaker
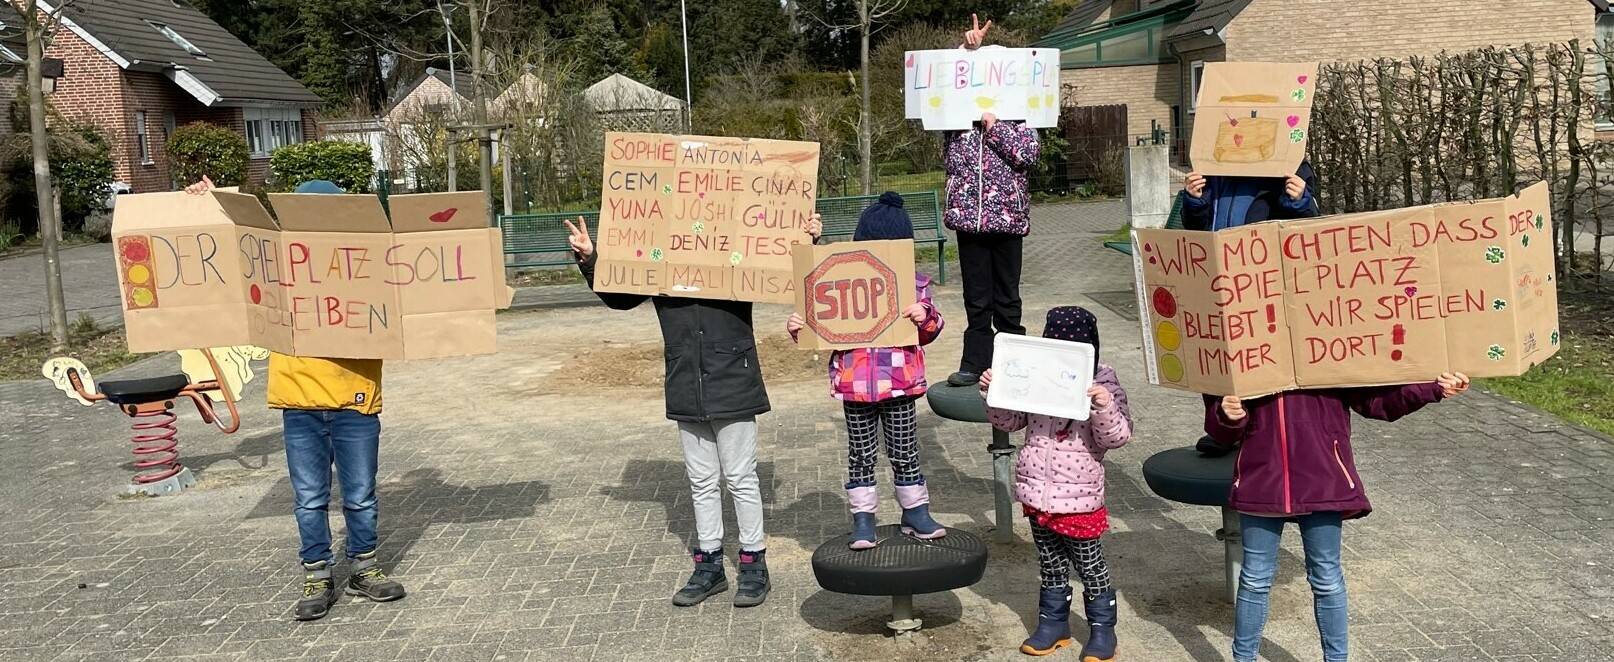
x: 368, y: 581
x: 318, y: 592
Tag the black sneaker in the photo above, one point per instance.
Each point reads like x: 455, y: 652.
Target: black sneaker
x: 369, y: 582
x: 963, y: 378
x: 318, y: 592
x: 753, y: 589
x: 708, y: 580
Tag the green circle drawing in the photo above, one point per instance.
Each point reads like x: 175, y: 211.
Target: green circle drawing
x: 698, y: 227
x: 735, y: 257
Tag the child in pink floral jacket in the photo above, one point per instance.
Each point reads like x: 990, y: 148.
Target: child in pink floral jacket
x: 877, y: 387
x: 1059, y: 481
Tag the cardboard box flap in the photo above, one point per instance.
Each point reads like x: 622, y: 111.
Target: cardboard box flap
x: 425, y: 212
x: 317, y: 212
x: 154, y: 211
x: 1253, y: 118
x: 246, y: 210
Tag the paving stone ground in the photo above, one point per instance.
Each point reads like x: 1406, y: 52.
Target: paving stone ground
x: 533, y: 521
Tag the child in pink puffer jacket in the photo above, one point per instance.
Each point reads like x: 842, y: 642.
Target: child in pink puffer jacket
x: 877, y: 387
x: 1059, y: 481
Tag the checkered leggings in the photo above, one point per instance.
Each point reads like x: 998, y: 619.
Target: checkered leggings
x: 1056, y: 554
x: 864, y: 420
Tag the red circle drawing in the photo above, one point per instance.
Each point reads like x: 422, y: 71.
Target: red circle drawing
x: 1395, y: 355
x: 135, y: 250
x: 1164, y: 302
x: 255, y: 293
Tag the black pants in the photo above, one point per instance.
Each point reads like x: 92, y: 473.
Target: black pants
x: 990, y: 264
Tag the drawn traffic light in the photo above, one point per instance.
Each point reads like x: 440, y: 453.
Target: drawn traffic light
x: 137, y: 272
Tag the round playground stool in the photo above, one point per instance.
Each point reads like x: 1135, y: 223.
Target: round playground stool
x: 150, y: 401
x: 1187, y: 476
x: 901, y: 567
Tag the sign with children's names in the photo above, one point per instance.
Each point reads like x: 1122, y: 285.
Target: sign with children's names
x: 329, y: 276
x: 949, y: 89
x: 704, y: 216
x: 1375, y: 298
x: 1252, y: 119
x: 852, y: 294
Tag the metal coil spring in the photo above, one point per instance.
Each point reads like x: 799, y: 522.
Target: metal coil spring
x: 156, y: 446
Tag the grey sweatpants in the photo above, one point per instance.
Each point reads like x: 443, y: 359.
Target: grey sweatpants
x: 729, y: 449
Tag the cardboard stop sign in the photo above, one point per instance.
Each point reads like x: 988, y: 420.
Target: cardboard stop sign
x: 853, y: 294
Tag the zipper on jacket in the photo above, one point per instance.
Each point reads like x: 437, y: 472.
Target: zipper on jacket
x: 980, y: 183
x: 700, y: 363
x: 1283, y: 450
x: 1238, y: 467
x: 1337, y: 458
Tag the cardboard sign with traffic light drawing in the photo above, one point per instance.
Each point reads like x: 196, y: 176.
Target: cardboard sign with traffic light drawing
x: 1365, y: 299
x: 704, y: 216
x: 1252, y: 119
x: 332, y: 277
x: 852, y: 294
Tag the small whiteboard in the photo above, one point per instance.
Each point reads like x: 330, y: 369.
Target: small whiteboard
x: 1041, y: 376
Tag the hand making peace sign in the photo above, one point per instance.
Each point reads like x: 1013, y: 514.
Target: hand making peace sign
x: 581, y: 244
x: 976, y: 36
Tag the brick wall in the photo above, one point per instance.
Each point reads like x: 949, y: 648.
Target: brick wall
x: 1326, y: 30
x: 430, y: 92
x: 8, y: 93
x: 1148, y: 92
x: 92, y: 91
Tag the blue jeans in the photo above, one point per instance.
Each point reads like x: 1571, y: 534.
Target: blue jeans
x: 314, y: 441
x: 1320, y: 535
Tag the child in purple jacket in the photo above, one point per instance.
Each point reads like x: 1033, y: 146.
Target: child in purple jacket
x: 1295, y: 465
x: 1059, y: 481
x: 877, y: 387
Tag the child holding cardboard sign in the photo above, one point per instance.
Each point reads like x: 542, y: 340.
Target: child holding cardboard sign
x: 331, y: 416
x: 877, y: 387
x: 1295, y: 464
x: 1216, y: 203
x: 1059, y: 481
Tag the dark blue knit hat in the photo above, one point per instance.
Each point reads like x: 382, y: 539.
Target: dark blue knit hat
x: 885, y: 219
x: 1073, y: 324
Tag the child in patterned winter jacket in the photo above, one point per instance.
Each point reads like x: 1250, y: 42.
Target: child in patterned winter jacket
x: 1059, y: 481
x: 877, y: 387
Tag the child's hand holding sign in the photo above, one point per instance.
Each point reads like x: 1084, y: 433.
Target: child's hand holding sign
x: 1102, y: 398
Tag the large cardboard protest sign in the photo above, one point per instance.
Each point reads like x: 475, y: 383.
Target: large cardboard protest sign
x: 703, y: 216
x: 1352, y: 300
x: 1252, y: 119
x: 853, y: 294
x: 950, y: 89
x: 332, y: 276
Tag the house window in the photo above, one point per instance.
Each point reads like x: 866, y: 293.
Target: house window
x: 142, y: 137
x: 1605, y: 38
x: 178, y: 40
x: 169, y: 123
x: 269, y: 129
x: 1196, y: 75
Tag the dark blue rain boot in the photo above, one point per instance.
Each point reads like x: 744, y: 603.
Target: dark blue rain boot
x: 916, y: 520
x: 1053, y: 623
x: 1101, y: 628
x: 864, y: 500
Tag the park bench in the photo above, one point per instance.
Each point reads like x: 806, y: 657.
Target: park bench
x: 540, y: 240
x: 1173, y: 222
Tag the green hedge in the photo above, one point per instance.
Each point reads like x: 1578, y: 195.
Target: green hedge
x: 347, y: 164
x: 199, y: 148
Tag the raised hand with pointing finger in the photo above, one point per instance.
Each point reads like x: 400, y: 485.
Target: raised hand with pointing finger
x: 582, y: 245
x: 976, y: 35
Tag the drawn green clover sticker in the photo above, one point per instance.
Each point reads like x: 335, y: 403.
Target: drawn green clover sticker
x: 666, y: 189
x: 1499, y: 304
x: 1298, y: 95
x: 1541, y: 222
x: 1495, y: 254
x: 698, y: 227
x: 1495, y: 353
x: 735, y: 257
x: 1297, y: 135
x: 1554, y: 337
x: 1525, y: 240
x: 655, y: 255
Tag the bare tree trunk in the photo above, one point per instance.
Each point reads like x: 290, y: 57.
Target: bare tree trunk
x: 480, y: 103
x: 50, y: 222
x: 865, y: 132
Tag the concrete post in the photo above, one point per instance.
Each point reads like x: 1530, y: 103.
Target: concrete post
x: 1148, y: 185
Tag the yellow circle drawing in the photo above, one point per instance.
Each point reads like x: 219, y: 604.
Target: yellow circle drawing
x: 1048, y: 100
x: 1171, y: 368
x: 1034, y: 102
x: 1167, y: 336
x: 986, y: 103
x: 141, y: 297
x: 935, y: 102
x: 139, y: 274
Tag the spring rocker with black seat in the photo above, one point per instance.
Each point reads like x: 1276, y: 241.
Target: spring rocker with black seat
x: 150, y: 402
